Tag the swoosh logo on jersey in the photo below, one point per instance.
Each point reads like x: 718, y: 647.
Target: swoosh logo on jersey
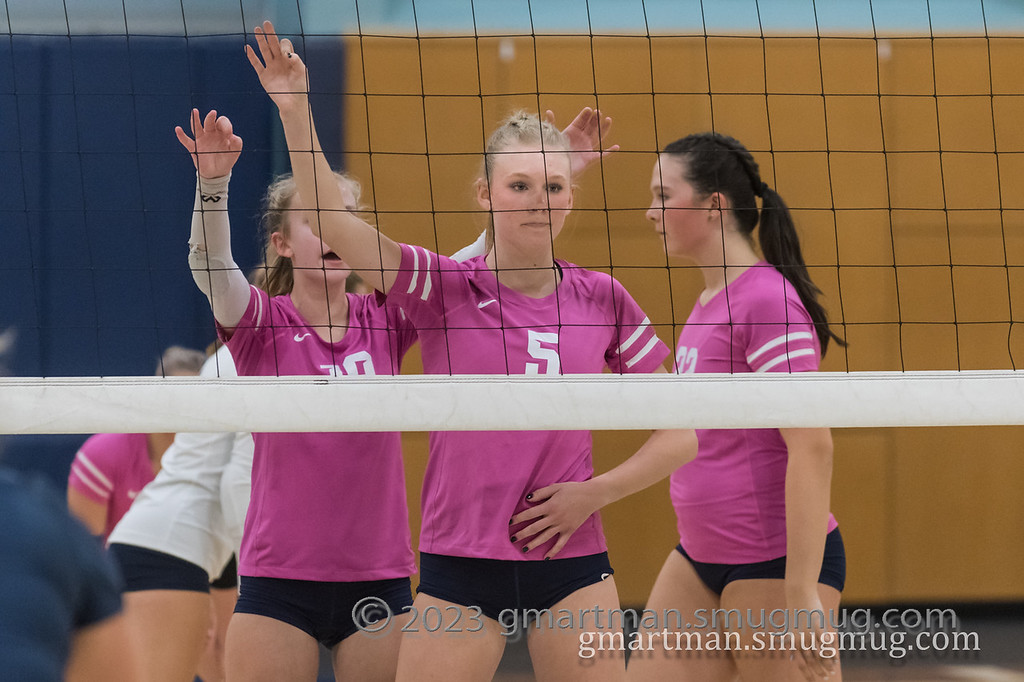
x: 300, y: 337
x: 605, y: 576
x: 486, y: 303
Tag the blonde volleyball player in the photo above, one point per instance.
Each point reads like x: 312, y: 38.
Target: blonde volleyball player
x: 327, y: 524
x: 756, y: 534
x: 509, y: 518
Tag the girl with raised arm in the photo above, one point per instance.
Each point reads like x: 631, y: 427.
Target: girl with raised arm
x: 755, y: 530
x: 327, y: 525
x: 509, y: 518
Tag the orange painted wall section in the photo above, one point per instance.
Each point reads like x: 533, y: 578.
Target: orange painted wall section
x: 903, y: 240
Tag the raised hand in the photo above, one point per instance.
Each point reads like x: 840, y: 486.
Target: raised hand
x: 215, y: 147
x: 586, y: 134
x: 282, y: 74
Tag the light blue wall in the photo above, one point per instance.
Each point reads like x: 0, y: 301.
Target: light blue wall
x: 192, y: 17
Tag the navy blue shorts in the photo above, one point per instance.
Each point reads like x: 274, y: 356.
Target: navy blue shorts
x: 496, y: 585
x: 147, y: 569
x: 323, y: 610
x: 228, y: 578
x: 717, y: 576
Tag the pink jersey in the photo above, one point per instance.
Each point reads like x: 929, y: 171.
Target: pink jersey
x: 111, y: 469
x: 327, y: 507
x: 731, y: 499
x: 469, y: 324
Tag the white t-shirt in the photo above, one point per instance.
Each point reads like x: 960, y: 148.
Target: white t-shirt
x: 180, y: 513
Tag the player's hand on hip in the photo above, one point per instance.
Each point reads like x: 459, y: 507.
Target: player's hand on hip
x: 559, y: 510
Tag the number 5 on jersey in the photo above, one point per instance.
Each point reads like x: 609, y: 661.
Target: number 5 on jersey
x: 547, y: 358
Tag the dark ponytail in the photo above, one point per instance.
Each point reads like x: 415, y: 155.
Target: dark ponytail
x: 719, y: 163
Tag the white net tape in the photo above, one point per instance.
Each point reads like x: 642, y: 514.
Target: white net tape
x: 426, y: 403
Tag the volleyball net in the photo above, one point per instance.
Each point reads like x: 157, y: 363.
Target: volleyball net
x: 895, y: 140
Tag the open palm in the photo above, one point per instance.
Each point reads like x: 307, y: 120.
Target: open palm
x: 215, y: 148
x: 282, y: 74
x: 586, y: 134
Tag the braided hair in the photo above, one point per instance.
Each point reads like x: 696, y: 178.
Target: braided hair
x: 714, y: 162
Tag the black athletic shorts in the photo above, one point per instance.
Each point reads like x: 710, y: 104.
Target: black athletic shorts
x: 147, y: 569
x: 326, y: 611
x: 496, y: 585
x: 717, y: 576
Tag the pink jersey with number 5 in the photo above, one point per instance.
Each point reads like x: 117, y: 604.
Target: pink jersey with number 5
x: 470, y: 324
x: 730, y: 500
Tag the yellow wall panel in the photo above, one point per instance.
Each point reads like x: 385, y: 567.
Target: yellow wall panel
x: 853, y: 123
x: 899, y: 237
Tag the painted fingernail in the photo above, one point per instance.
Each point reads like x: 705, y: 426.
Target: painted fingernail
x: 510, y: 522
x: 530, y: 496
x: 525, y: 550
x: 513, y: 538
x: 547, y: 558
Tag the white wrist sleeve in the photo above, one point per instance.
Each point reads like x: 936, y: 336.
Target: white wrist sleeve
x: 209, y: 253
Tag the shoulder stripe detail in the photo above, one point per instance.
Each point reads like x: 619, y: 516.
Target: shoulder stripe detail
x: 637, y: 333
x: 643, y: 352
x: 82, y: 477
x: 785, y: 338
x: 94, y: 470
x: 414, y: 281
x: 259, y: 311
x: 415, y: 269
x: 782, y: 358
x: 426, y: 275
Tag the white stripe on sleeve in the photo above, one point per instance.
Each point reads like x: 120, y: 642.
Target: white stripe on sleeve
x: 785, y: 338
x: 792, y: 355
x: 85, y: 478
x: 91, y: 475
x: 637, y: 333
x: 94, y: 470
x: 426, y: 275
x: 415, y: 269
x: 643, y: 352
x: 259, y: 311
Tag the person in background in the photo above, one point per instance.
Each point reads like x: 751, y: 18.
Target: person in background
x: 175, y: 545
x: 60, y: 602
x: 111, y: 469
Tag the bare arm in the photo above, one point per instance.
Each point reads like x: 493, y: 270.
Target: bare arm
x: 563, y: 507
x: 283, y: 75
x: 808, y: 490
